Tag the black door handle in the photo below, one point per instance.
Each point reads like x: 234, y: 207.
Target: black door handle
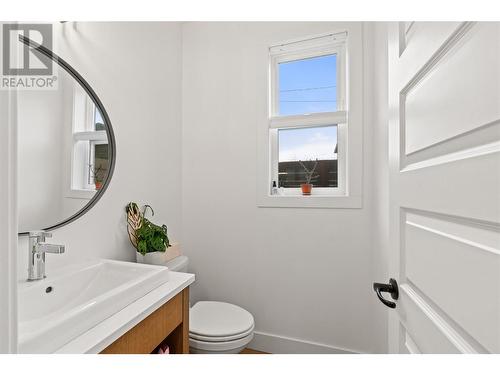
x: 392, y: 288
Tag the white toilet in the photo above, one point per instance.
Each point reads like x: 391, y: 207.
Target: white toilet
x: 215, y: 327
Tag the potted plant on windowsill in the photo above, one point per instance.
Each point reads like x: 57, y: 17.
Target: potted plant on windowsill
x: 97, y: 175
x: 309, y: 175
x: 150, y: 240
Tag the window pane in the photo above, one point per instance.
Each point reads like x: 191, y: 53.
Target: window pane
x: 316, y: 148
x: 308, y: 86
x: 99, y: 164
x: 98, y: 120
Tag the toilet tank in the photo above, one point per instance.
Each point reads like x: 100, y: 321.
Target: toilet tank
x: 178, y: 264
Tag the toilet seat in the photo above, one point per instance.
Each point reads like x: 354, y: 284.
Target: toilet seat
x: 219, y: 327
x: 221, y: 338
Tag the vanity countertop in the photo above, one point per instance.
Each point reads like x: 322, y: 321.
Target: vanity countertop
x: 106, y: 332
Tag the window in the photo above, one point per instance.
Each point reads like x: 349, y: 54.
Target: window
x: 90, y: 161
x: 307, y: 116
x: 314, y: 129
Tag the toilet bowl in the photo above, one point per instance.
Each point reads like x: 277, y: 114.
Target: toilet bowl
x: 215, y: 327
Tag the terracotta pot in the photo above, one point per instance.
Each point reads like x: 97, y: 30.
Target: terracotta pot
x: 98, y: 185
x: 306, y: 189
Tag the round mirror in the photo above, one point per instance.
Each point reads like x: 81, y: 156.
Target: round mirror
x: 66, y: 150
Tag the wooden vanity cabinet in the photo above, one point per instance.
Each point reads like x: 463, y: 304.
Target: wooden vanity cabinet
x: 169, y: 323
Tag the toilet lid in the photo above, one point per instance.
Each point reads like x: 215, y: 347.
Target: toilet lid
x: 218, y: 319
x: 221, y: 338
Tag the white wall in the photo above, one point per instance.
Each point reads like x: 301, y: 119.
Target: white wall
x: 8, y: 225
x: 8, y: 222
x: 376, y: 92
x: 135, y: 68
x: 304, y: 273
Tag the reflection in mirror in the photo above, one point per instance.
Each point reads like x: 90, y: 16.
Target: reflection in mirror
x: 64, y: 153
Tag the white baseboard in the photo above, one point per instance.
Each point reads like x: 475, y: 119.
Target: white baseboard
x: 269, y: 343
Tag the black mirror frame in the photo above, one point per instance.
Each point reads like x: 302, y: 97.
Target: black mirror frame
x: 109, y: 131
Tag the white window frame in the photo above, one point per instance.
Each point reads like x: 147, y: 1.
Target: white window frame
x: 317, y: 47
x: 346, y: 44
x: 83, y: 116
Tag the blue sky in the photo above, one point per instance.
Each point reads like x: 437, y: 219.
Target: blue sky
x: 308, y: 86
x: 307, y: 143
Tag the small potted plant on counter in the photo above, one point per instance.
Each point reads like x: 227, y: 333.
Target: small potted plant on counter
x: 150, y: 240
x: 309, y: 174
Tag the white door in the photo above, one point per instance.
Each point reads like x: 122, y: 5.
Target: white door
x: 444, y: 94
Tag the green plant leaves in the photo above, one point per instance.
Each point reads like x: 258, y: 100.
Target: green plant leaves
x: 142, y: 247
x: 144, y: 235
x: 151, y: 237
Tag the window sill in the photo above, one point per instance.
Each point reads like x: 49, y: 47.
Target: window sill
x: 80, y: 194
x: 312, y: 201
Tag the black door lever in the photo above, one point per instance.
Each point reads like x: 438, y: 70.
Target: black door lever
x: 391, y: 288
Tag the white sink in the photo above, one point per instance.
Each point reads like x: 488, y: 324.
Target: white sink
x: 72, y: 300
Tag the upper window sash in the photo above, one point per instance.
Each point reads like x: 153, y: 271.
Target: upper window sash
x: 83, y: 111
x: 300, y: 50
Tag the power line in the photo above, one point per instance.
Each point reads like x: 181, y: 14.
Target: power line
x: 308, y: 101
x: 310, y: 88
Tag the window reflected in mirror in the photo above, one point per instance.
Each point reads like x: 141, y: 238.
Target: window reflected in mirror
x: 90, y: 145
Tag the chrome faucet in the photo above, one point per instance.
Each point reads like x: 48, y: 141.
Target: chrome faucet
x: 37, y: 250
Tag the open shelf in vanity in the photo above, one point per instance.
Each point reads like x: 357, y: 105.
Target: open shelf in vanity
x: 169, y: 323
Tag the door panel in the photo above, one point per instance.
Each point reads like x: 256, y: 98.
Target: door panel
x: 465, y: 184
x: 457, y: 266
x: 455, y: 93
x: 444, y: 87
x: 428, y: 331
x: 419, y: 42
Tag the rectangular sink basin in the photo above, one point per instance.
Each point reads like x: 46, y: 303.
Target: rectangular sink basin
x: 72, y: 300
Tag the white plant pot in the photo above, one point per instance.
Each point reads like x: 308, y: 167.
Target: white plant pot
x: 160, y: 258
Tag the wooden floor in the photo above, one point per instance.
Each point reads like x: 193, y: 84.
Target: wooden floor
x: 251, y: 351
